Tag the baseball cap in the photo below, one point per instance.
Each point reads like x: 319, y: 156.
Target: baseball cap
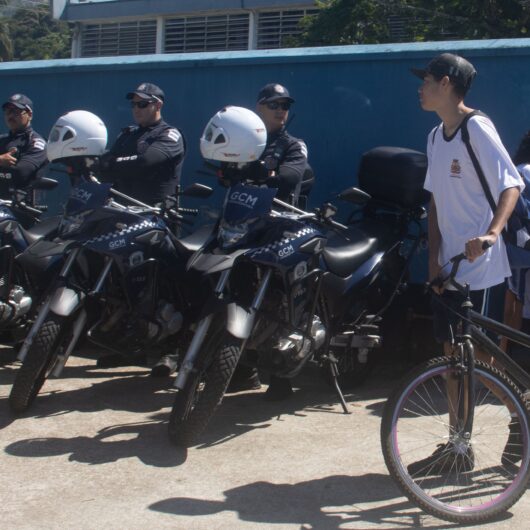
x: 272, y: 92
x: 147, y: 91
x: 20, y: 101
x: 459, y: 70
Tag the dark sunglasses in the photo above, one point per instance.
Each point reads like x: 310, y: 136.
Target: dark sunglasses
x: 141, y: 104
x: 275, y: 105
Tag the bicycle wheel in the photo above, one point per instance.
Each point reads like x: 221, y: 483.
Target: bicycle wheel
x: 456, y: 476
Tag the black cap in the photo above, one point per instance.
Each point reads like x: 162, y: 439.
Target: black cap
x: 147, y: 91
x: 20, y: 101
x: 272, y: 92
x: 459, y: 70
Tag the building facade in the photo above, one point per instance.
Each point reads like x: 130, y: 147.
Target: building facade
x: 141, y: 27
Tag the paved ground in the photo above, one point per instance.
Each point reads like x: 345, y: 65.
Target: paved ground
x: 93, y: 452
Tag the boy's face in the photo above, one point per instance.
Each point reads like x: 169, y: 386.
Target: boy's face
x: 431, y: 92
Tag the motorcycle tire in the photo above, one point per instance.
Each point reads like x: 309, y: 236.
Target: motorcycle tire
x: 197, y: 402
x: 39, y: 362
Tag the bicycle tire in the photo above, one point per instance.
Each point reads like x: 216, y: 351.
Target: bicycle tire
x: 462, y: 496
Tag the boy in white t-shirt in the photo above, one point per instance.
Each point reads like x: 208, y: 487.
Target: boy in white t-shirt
x: 460, y: 217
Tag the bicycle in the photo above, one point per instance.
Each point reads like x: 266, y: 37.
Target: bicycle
x: 481, y: 465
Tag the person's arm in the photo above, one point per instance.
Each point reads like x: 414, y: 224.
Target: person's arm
x: 29, y: 161
x: 290, y: 170
x: 504, y: 209
x: 9, y: 158
x: 504, y: 181
x: 435, y: 239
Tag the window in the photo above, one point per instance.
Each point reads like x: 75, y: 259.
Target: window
x: 208, y: 33
x: 275, y: 27
x: 123, y: 38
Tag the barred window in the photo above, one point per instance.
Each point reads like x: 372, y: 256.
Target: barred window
x: 123, y: 38
x: 207, y: 33
x: 275, y: 27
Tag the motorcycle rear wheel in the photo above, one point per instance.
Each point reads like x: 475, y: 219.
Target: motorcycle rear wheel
x: 197, y: 402
x: 53, y: 335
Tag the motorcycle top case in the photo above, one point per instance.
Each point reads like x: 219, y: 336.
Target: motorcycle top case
x: 394, y: 175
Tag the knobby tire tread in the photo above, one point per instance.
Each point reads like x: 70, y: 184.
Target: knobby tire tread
x: 386, y: 433
x: 31, y: 375
x: 185, y: 432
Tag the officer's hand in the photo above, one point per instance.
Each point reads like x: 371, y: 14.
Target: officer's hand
x: 106, y: 160
x: 8, y: 159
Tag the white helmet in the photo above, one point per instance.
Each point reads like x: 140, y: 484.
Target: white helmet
x: 78, y: 133
x: 234, y: 134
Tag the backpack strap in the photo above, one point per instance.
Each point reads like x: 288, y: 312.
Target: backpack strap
x: 465, y: 138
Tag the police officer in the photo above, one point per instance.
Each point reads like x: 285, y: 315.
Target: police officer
x: 22, y: 150
x: 285, y: 164
x: 146, y: 159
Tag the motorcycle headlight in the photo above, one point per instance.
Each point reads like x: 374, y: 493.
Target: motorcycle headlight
x: 230, y: 234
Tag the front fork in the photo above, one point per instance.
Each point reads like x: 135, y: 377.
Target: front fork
x: 465, y: 412
x: 79, y: 322
x: 190, y: 359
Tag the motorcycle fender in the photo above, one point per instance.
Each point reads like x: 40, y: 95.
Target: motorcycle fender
x: 65, y: 301
x: 239, y: 321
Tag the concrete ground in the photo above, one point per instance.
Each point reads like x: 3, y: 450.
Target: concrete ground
x: 93, y: 453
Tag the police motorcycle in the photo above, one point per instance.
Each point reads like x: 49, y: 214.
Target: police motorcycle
x: 113, y: 270
x: 20, y: 226
x: 287, y: 285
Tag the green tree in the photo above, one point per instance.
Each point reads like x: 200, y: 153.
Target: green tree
x: 378, y: 21
x: 31, y: 33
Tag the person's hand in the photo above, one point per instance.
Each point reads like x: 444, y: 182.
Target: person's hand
x: 475, y: 247
x: 8, y: 159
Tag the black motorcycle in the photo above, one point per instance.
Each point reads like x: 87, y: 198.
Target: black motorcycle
x: 289, y: 285
x: 114, y: 275
x: 20, y: 226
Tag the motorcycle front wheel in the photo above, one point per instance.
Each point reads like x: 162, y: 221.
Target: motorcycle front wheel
x: 52, y: 337
x: 197, y: 402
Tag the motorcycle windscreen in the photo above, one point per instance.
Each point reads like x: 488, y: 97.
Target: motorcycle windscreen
x: 247, y: 202
x: 87, y: 196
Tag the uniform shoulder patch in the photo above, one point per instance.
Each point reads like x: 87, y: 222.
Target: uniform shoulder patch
x: 173, y: 134
x: 39, y: 144
x: 303, y: 147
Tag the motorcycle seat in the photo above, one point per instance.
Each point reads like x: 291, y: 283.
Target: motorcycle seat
x: 343, y: 256
x: 42, y: 229
x: 196, y: 240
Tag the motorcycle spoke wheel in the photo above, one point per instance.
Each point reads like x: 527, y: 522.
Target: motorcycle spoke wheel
x: 51, y: 338
x: 197, y: 402
x: 482, y: 476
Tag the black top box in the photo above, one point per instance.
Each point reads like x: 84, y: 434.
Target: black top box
x: 394, y: 175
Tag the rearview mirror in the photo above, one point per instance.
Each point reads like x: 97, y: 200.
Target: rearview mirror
x: 354, y: 195
x: 197, y: 190
x: 44, y: 183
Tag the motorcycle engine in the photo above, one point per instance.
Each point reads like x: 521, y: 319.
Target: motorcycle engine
x: 17, y: 305
x: 168, y: 321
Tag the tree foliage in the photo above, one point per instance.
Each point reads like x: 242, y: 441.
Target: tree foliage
x: 31, y: 33
x: 379, y: 21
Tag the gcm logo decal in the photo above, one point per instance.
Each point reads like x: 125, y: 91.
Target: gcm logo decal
x: 119, y: 243
x: 243, y: 198
x: 285, y: 251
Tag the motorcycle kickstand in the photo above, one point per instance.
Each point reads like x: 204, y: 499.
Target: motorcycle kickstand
x: 335, y: 373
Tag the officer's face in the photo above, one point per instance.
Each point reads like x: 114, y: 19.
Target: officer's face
x: 145, y: 115
x: 16, y: 119
x: 274, y: 114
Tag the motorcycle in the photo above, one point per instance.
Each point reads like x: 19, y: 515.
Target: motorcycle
x: 290, y: 286
x: 20, y: 226
x: 115, y: 278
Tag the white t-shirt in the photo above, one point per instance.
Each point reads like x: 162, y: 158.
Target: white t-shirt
x: 462, y: 208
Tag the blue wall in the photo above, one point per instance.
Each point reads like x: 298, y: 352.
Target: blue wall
x: 348, y: 99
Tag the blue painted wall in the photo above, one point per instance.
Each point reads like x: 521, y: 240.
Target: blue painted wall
x: 348, y: 99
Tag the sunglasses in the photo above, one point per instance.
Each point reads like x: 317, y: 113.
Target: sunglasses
x: 141, y: 104
x: 14, y: 110
x: 275, y: 105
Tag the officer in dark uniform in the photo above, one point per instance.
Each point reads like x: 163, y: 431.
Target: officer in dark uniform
x: 146, y: 159
x: 282, y: 165
x: 285, y: 164
x: 22, y: 150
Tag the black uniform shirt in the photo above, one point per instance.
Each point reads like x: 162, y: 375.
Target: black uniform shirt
x: 31, y: 155
x: 145, y: 162
x: 286, y: 156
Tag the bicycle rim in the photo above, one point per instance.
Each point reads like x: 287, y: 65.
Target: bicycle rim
x: 416, y: 422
